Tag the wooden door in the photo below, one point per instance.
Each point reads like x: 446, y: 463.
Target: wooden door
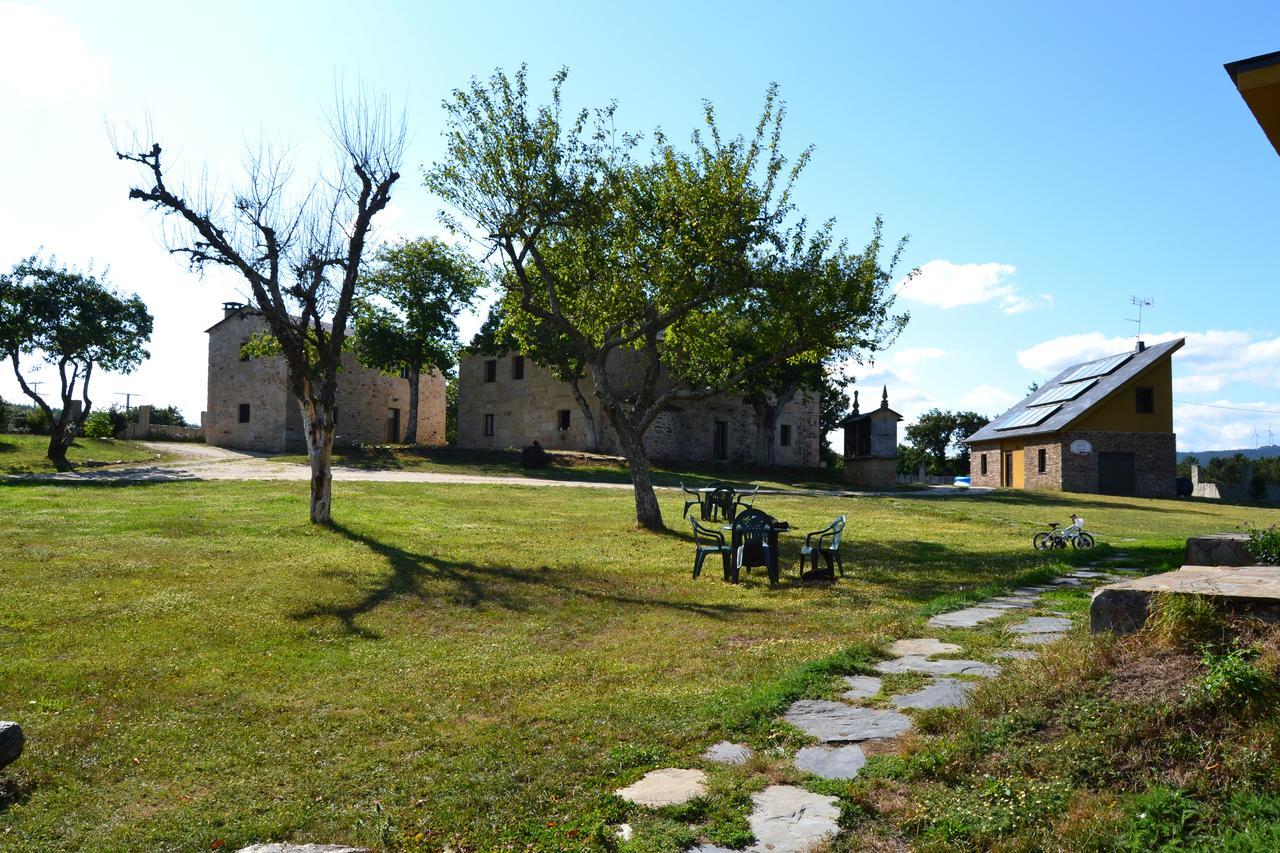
x: 393, y: 426
x: 1013, y: 468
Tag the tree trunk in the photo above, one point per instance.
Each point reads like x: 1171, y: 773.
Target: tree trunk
x: 57, y: 452
x: 766, y: 423
x: 320, y: 428
x: 648, y: 512
x: 411, y: 428
x: 593, y: 434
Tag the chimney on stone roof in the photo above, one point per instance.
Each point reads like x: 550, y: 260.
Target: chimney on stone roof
x: 229, y: 308
x: 1141, y: 346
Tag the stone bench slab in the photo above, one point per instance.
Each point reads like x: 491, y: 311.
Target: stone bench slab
x: 1123, y: 607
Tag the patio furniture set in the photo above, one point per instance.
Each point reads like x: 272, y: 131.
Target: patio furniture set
x: 753, y: 539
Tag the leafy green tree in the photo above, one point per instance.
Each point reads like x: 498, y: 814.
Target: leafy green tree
x: 76, y: 323
x: 100, y: 424
x: 451, y: 407
x: 938, y: 433
x: 688, y: 261
x: 299, y: 254
x: 161, y: 416
x: 407, y: 316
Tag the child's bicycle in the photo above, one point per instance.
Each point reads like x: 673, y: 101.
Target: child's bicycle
x: 1058, y: 537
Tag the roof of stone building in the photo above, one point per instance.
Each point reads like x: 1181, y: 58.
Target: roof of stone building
x: 1071, y: 394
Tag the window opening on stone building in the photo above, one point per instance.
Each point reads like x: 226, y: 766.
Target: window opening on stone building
x: 244, y: 413
x: 720, y: 441
x: 517, y: 367
x: 393, y: 425
x: 784, y: 435
x: 488, y: 425
x: 562, y: 419
x: 1042, y: 460
x: 491, y: 370
x: 982, y: 464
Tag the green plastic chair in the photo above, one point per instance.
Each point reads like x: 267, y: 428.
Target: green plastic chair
x: 720, y: 505
x: 708, y: 541
x: 693, y: 498
x: 827, y: 545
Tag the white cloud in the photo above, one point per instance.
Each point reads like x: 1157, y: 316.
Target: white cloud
x: 1236, y: 425
x: 944, y: 284
x: 915, y: 356
x: 989, y: 400
x: 43, y: 57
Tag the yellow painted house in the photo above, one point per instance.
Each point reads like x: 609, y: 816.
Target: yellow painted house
x: 1103, y: 427
x: 1258, y: 81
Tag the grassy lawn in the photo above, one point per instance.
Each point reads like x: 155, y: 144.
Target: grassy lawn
x: 25, y: 454
x: 570, y: 466
x: 475, y: 666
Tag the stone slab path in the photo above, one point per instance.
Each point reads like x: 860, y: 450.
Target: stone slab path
x: 831, y: 762
x: 836, y: 722
x: 861, y: 686
x: 941, y: 693
x: 670, y: 786
x: 791, y: 819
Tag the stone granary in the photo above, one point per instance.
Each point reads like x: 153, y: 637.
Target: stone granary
x: 508, y: 401
x: 871, y: 445
x: 250, y: 407
x: 1103, y: 427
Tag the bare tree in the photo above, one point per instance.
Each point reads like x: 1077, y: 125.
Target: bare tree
x: 300, y: 255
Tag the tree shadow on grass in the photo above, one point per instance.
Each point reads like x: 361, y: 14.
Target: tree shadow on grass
x: 13, y: 792
x: 475, y: 585
x: 1059, y: 501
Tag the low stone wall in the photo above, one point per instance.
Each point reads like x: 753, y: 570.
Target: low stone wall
x: 1221, y: 549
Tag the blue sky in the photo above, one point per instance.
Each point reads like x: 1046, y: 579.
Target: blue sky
x: 1047, y: 162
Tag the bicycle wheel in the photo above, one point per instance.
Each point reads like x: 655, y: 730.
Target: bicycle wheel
x: 1040, y: 541
x: 1084, y: 540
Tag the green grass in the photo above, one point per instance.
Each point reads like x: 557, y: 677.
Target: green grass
x: 475, y: 666
x: 581, y: 467
x: 25, y: 454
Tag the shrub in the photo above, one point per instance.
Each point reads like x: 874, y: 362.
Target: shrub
x: 37, y: 422
x: 1233, y: 681
x: 99, y: 424
x: 534, y: 456
x: 1160, y: 819
x: 1264, y: 545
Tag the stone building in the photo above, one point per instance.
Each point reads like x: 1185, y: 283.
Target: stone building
x: 508, y: 401
x: 250, y: 407
x: 1103, y: 427
x: 871, y: 445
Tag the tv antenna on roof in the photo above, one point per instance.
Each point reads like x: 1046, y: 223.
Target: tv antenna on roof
x: 1141, y: 302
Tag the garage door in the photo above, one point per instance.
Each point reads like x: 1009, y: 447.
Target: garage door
x: 1115, y: 473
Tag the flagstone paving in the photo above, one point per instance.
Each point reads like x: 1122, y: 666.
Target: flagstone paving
x: 916, y: 663
x: 1041, y: 625
x: 1040, y: 639
x: 670, y: 786
x: 725, y: 752
x: 926, y: 646
x: 969, y: 617
x: 836, y: 722
x: 861, y: 686
x: 831, y: 762
x: 941, y: 693
x: 790, y: 819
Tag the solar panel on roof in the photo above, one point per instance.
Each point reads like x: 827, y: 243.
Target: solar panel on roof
x: 1063, y: 393
x: 1029, y: 417
x: 1098, y: 368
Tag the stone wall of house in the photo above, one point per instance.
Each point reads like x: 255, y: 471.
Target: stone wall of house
x: 1054, y: 449
x: 365, y: 397
x: 990, y: 480
x: 1154, y: 463
x: 528, y: 409
x: 233, y: 382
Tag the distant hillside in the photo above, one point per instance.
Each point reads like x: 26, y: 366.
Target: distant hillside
x: 1248, y: 452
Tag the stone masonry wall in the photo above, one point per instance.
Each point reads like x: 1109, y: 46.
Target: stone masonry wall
x: 1053, y: 451
x: 275, y: 421
x: 1154, y: 464
x: 991, y: 480
x: 528, y: 409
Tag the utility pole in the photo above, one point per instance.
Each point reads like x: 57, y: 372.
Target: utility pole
x: 1140, y: 302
